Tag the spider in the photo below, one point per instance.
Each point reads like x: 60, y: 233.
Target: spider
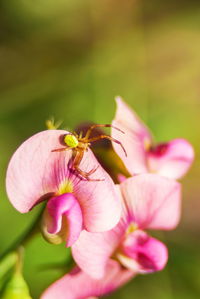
x: 79, y: 145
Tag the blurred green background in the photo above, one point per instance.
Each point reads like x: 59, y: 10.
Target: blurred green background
x: 69, y: 58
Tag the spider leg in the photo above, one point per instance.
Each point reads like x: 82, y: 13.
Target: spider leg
x: 109, y: 138
x: 74, y: 133
x: 93, y: 170
x: 61, y: 149
x: 95, y: 180
x: 89, y: 131
x: 75, y: 164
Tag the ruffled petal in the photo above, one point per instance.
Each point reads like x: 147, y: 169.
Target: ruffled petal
x: 172, y: 159
x: 35, y: 173
x: 152, y: 201
x: 136, y: 140
x: 78, y: 285
x: 64, y: 213
x: 149, y: 253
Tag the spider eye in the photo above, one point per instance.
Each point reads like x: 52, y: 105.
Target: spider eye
x: 71, y: 140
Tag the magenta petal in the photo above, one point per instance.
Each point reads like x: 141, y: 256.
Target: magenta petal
x: 65, y: 206
x: 150, y: 254
x: 152, y: 201
x: 171, y: 159
x: 78, y: 285
x: 136, y: 140
x: 35, y: 172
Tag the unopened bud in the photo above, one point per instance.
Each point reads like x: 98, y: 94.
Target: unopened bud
x: 16, y: 288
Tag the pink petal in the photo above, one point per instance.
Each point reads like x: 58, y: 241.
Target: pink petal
x: 172, y: 159
x: 150, y: 254
x: 99, y: 201
x: 64, y: 206
x: 93, y: 250
x: 78, y: 285
x: 152, y: 201
x: 136, y: 140
x: 36, y: 172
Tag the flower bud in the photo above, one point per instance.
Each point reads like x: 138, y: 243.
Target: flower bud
x: 16, y: 288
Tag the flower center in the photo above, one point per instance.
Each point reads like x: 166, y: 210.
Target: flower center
x: 121, y: 256
x: 131, y: 228
x: 65, y: 186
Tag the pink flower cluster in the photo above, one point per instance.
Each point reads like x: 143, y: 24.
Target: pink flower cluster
x: 103, y: 223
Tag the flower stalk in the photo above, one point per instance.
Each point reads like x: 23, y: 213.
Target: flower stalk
x: 22, y: 240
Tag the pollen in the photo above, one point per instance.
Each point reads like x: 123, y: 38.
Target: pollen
x: 71, y: 140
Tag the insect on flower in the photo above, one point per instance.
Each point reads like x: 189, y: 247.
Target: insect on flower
x: 79, y: 145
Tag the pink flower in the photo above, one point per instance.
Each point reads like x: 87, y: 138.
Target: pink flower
x: 171, y: 159
x: 79, y: 285
x: 149, y: 202
x: 35, y: 173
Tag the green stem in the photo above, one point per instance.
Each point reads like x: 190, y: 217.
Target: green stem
x: 20, y: 260
x: 7, y: 263
x: 25, y: 237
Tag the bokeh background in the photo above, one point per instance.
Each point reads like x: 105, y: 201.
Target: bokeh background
x: 68, y: 59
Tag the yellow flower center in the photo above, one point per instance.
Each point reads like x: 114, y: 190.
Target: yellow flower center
x: 132, y: 227
x: 65, y: 186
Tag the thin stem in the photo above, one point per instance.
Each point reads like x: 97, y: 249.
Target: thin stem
x: 20, y: 260
x: 8, y: 262
x: 25, y: 237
